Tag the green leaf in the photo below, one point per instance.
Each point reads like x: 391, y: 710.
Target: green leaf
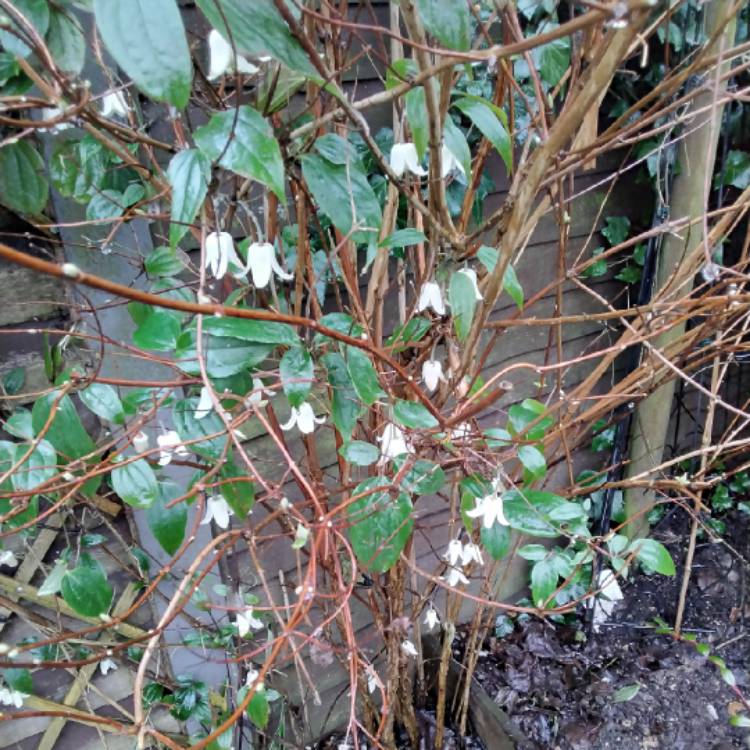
x: 380, y: 526
x: 403, y: 238
x: 344, y: 195
x: 189, y: 173
x: 237, y: 488
x: 630, y: 274
x: 23, y: 186
x: 359, y: 453
x: 135, y: 483
x: 19, y: 425
x: 66, y: 433
x: 408, y: 334
x: 19, y: 679
x: 158, y: 332
x: 164, y: 261
x: 65, y: 41
x: 533, y: 552
x: 190, y: 428
x: 38, y: 468
x: 107, y: 204
x: 616, y: 230
x: 491, y: 121
x: 534, y: 464
x: 488, y: 256
x: 224, y: 356
x: 258, y: 710
x: 258, y: 29
x: 243, y: 142
x: 416, y: 115
x: 257, y: 331
x: 345, y: 405
x: 597, y: 268
x: 339, y: 322
x: 103, y: 400
x: 496, y: 540
x: 297, y: 372
x: 53, y: 581
x: 85, y: 588
x: 413, y: 414
x: 653, y: 555
x: 538, y: 513
x: 543, y: 581
x: 552, y: 59
x: 626, y: 693
x: 736, y: 171
x: 147, y: 40
x: 37, y: 13
x: 512, y: 285
x: 463, y: 302
x: 448, y: 21
x: 363, y: 375
x: 167, y: 524
x: 523, y: 414
x: 423, y: 478
x: 336, y: 149
x: 14, y: 380
x: 456, y: 143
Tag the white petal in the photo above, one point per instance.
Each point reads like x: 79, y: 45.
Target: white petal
x: 454, y: 552
x: 221, y: 511
x: 449, y: 162
x: 431, y: 296
x: 292, y: 420
x: 279, y: 271
x: 114, y: 105
x: 205, y: 404
x: 432, y: 374
x: 409, y: 648
x: 306, y: 419
x: 398, y: 159
x: 220, y: 55
x: 259, y: 258
x: 392, y: 442
x: 472, y: 274
x: 610, y: 588
x: 107, y: 665
x: 8, y: 558
x: 140, y: 442
x: 431, y: 618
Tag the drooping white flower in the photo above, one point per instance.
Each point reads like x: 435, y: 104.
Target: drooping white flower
x: 449, y: 162
x: 431, y: 296
x: 431, y: 618
x: 404, y: 156
x: 409, y: 648
x: 219, y: 252
x: 222, y: 58
x: 10, y: 697
x: 432, y: 374
x: 472, y: 275
x: 170, y: 444
x: 393, y: 443
x: 490, y: 507
x: 461, y: 431
x: 140, y: 441
x: 252, y: 677
x: 247, y: 621
x: 205, y: 404
x: 217, y: 509
x: 455, y: 576
x: 107, y: 665
x: 8, y: 558
x: 114, y: 105
x: 255, y: 398
x: 261, y: 262
x: 607, y: 599
x: 455, y: 552
x: 471, y: 553
x: 305, y: 419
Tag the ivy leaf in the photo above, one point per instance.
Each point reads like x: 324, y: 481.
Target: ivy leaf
x: 344, y: 195
x: 616, y: 230
x: 65, y: 432
x: 653, y: 555
x: 242, y: 142
x: 189, y: 173
x: 85, y: 588
x: 552, y: 59
x: 736, y: 171
x: 363, y: 375
x: 296, y: 370
x: 597, y: 268
x: 53, y: 582
x: 630, y: 274
x: 147, y: 40
x: 258, y: 29
x: 448, y: 21
x: 65, y: 41
x: 543, y: 581
x: 23, y: 187
x: 135, y: 483
x: 37, y: 13
x: 359, y: 453
x: 167, y: 524
x: 103, y: 400
x: 413, y: 414
x: 463, y: 302
x: 492, y: 122
x: 380, y: 525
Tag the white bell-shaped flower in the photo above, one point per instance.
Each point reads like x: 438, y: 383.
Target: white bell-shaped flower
x: 255, y: 398
x: 205, y: 404
x: 409, y: 648
x: 305, y: 419
x: 431, y: 296
x: 7, y: 557
x: 10, y: 697
x: 114, y: 105
x: 219, y: 253
x: 432, y: 374
x: 222, y: 58
x: 107, y: 665
x: 490, y: 507
x: 140, y: 441
x: 247, y: 621
x: 170, y: 444
x: 455, y: 552
x: 471, y: 553
x: 472, y: 275
x: 404, y: 157
x: 261, y: 262
x: 431, y: 618
x: 217, y: 509
x: 449, y: 162
x: 393, y: 443
x: 454, y: 576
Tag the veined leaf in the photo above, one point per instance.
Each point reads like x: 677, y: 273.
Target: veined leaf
x: 491, y: 122
x: 189, y: 173
x: 448, y: 21
x: 85, y: 588
x: 23, y: 186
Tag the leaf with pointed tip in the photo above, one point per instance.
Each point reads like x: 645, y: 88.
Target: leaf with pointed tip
x: 23, y: 186
x: 135, y: 483
x: 188, y: 173
x: 103, y: 400
x: 85, y: 588
x: 296, y: 370
x: 491, y: 121
x: 167, y: 524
